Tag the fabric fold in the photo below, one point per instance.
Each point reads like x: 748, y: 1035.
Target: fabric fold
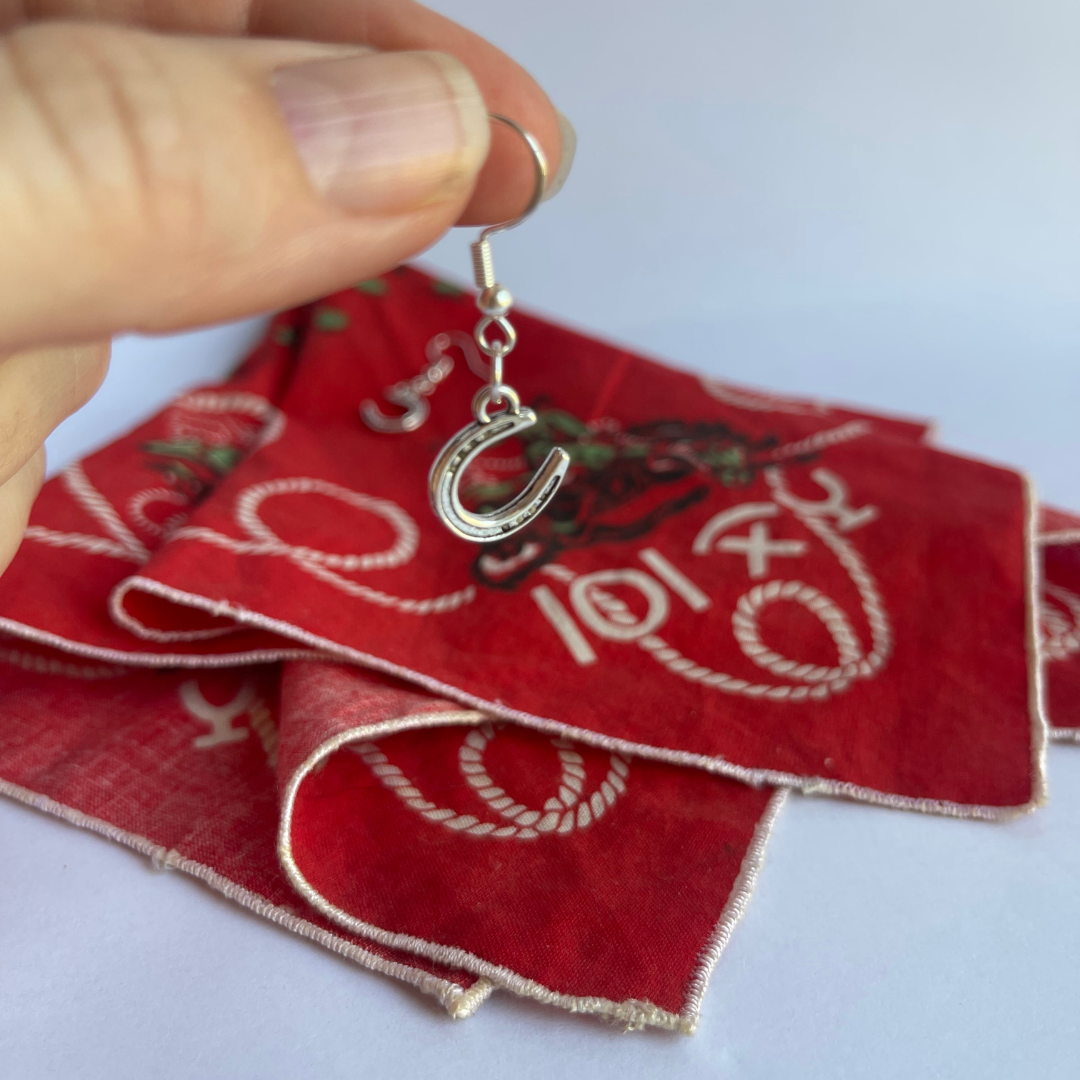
x: 180, y: 767
x: 472, y: 843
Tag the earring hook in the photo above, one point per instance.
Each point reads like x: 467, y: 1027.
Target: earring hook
x: 496, y: 300
x: 540, y: 174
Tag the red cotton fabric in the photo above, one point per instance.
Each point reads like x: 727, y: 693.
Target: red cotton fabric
x: 180, y: 766
x: 547, y: 765
x: 1060, y: 542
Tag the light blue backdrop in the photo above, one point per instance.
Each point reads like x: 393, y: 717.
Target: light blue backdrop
x: 866, y: 200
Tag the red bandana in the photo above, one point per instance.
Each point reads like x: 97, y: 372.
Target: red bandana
x: 243, y: 621
x: 1060, y: 541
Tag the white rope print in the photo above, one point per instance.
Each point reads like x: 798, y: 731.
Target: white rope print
x: 755, y: 401
x: 262, y: 723
x: 854, y: 429
x: 244, y: 403
x: 138, y: 503
x: 819, y: 682
x: 745, y: 628
x: 92, y: 545
x: 324, y: 565
x: 1061, y: 633
x: 571, y: 809
x: 272, y: 427
x: 404, y: 546
x: 121, y: 542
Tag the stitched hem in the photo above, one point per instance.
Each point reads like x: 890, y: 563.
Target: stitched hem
x: 457, y: 1001
x: 1065, y: 734
x: 733, y: 911
x: 1060, y: 536
x: 157, y: 660
x: 1040, y: 717
x: 633, y: 1013
x: 812, y: 785
x: 1051, y: 539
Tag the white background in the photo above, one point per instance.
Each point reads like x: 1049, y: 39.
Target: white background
x: 871, y: 201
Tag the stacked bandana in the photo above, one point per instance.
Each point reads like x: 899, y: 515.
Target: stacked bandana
x: 238, y: 640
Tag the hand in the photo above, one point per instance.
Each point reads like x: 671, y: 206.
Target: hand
x: 151, y: 181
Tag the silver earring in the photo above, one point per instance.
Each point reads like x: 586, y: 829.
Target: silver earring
x: 411, y: 394
x: 494, y: 302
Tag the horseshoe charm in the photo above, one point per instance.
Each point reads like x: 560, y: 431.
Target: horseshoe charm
x: 466, y: 445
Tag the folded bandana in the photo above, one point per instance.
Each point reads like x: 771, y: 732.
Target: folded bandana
x: 547, y: 764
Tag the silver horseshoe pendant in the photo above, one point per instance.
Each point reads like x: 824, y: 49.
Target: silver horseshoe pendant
x: 449, y: 467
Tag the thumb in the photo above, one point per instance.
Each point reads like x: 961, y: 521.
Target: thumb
x: 151, y: 182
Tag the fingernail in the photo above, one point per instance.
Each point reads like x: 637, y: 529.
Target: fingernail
x: 385, y: 131
x: 569, y: 148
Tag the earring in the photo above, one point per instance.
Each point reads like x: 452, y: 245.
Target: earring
x: 412, y: 394
x: 494, y: 302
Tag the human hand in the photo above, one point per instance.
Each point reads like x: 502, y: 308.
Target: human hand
x: 171, y: 163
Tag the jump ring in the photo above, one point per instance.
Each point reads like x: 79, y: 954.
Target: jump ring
x: 489, y: 394
x: 496, y: 348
